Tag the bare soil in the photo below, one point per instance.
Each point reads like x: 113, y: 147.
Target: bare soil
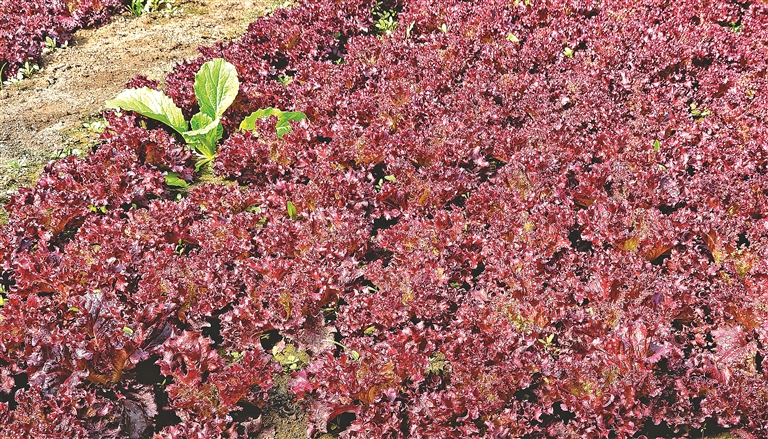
x: 42, y: 118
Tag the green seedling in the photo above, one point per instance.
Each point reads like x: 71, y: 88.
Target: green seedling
x: 389, y: 178
x: 291, y: 210
x: 387, y: 23
x: 236, y: 356
x: 548, y: 346
x: 698, y: 113
x: 354, y: 355
x: 136, y: 8
x: 386, y: 19
x: 170, y: 7
x: 409, y: 29
x: 181, y: 247
x: 28, y: 70
x: 512, y: 38
x: 66, y: 152
x: 735, y: 27
x: 24, y: 72
x: 50, y: 44
x: 290, y: 357
x: 15, y: 165
x: 99, y: 209
x: 656, y: 145
x: 95, y: 127
x: 568, y: 52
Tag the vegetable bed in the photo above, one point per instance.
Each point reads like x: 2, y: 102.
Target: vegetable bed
x: 498, y: 219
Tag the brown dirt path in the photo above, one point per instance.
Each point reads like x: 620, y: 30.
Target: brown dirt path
x: 42, y: 118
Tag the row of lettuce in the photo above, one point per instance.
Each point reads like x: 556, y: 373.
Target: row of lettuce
x: 498, y: 219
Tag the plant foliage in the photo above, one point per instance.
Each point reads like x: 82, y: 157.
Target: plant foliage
x: 477, y: 236
x: 153, y: 104
x: 216, y: 87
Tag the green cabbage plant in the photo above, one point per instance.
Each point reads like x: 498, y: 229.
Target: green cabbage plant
x: 216, y: 87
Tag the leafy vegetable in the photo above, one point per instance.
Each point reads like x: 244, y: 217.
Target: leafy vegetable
x: 172, y: 179
x: 292, y: 212
x: 153, y: 104
x: 284, y: 118
x: 216, y: 87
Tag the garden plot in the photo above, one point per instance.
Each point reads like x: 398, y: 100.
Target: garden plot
x: 410, y: 219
